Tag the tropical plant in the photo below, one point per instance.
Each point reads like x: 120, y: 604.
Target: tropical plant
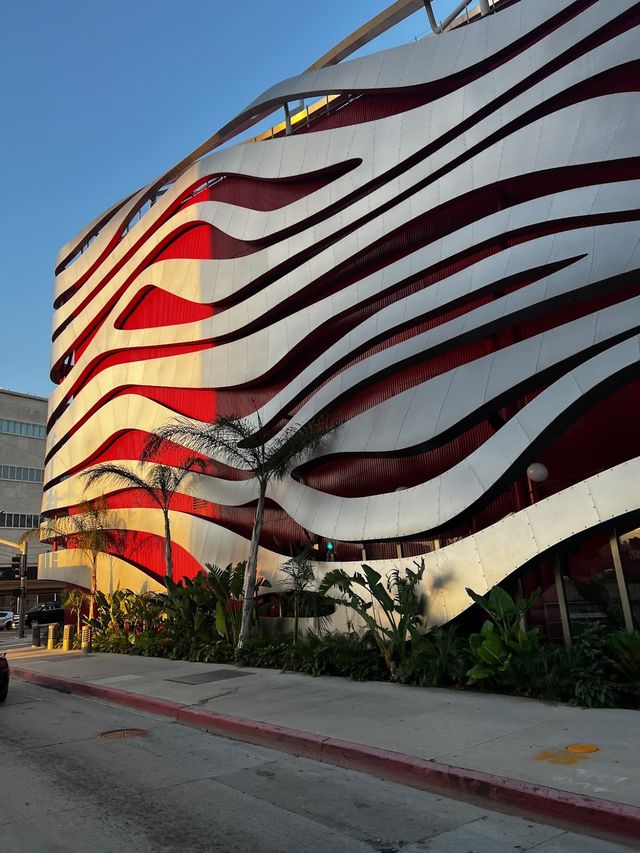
x: 74, y: 602
x: 191, y: 612
x: 588, y: 673
x: 494, y: 648
x: 91, y: 529
x: 305, y: 599
x: 393, y: 611
x: 227, y: 585
x: 438, y: 659
x: 343, y: 655
x: 624, y: 651
x: 234, y: 440
x: 159, y: 482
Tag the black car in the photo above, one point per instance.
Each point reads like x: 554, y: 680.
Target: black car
x: 42, y: 614
x: 4, y: 677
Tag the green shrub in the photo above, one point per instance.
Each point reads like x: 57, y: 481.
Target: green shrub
x: 540, y: 673
x: 502, y: 641
x: 589, y: 675
x: 344, y: 655
x: 264, y: 650
x: 440, y: 659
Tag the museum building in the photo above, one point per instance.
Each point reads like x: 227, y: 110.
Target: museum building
x: 437, y: 251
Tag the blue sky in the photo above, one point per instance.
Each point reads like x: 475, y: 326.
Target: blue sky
x: 98, y: 98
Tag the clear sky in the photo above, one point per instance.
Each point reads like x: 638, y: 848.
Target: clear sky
x: 98, y: 97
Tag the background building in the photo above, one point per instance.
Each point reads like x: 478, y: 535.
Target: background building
x: 23, y: 420
x: 437, y: 250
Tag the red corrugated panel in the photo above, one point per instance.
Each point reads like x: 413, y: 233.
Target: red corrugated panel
x: 154, y: 307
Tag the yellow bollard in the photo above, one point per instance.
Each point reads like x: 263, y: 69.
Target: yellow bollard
x: 85, y: 640
x: 67, y: 638
x: 53, y: 636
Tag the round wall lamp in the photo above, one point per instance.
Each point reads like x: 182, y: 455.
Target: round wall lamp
x: 537, y: 472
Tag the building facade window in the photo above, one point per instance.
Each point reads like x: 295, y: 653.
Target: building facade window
x: 24, y: 428
x: 21, y: 520
x: 24, y: 475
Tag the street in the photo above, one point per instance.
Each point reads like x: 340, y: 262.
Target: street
x: 170, y: 788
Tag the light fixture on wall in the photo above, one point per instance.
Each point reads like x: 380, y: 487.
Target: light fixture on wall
x: 537, y: 472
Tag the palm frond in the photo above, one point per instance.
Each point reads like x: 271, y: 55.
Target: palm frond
x: 120, y: 475
x: 218, y: 440
x: 291, y: 445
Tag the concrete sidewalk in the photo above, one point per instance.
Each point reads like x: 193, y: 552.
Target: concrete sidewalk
x: 520, y: 740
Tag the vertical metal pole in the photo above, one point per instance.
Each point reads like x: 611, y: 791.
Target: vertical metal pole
x: 622, y: 584
x: 23, y: 589
x: 287, y: 119
x: 523, y: 618
x: 558, y: 563
x: 484, y: 7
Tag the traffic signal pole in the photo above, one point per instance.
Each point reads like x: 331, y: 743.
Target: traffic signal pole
x: 23, y: 589
x: 22, y: 600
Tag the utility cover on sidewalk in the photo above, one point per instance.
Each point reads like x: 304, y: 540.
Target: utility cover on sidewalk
x: 206, y: 677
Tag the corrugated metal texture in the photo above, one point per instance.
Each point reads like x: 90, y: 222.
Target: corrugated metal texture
x: 280, y: 533
x: 602, y: 437
x: 588, y: 561
x: 262, y: 194
x: 357, y: 476
x: 363, y: 108
x: 205, y: 242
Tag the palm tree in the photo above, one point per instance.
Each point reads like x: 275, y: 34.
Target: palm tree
x: 74, y: 602
x: 233, y: 440
x: 299, y: 570
x: 160, y: 482
x: 90, y: 530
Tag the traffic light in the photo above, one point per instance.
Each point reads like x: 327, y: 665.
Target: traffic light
x: 330, y: 552
x: 16, y: 564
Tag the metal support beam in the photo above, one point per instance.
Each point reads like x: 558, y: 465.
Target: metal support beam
x: 287, y: 119
x: 622, y: 584
x: 437, y: 29
x: 558, y: 563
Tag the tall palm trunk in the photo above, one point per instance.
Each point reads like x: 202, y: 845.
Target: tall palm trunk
x: 168, y: 556
x: 94, y: 585
x: 251, y: 571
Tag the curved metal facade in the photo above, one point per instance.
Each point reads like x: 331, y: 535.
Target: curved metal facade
x: 443, y: 260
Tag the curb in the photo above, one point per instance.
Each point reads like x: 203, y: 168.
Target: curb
x: 580, y: 811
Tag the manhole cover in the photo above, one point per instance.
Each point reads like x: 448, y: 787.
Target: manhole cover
x: 119, y: 734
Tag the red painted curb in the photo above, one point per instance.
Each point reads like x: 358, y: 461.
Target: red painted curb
x: 148, y: 704
x: 581, y: 811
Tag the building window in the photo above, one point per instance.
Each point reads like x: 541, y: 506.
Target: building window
x: 25, y: 428
x: 18, y: 472
x: 20, y: 520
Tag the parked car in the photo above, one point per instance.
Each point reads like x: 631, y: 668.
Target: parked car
x: 6, y: 620
x: 4, y: 677
x: 42, y: 614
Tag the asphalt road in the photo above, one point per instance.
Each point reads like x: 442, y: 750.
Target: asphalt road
x: 65, y: 788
